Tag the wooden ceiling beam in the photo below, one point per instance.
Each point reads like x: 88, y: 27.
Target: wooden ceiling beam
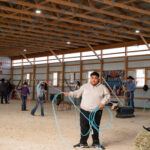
x: 40, y: 35
x: 123, y: 6
x: 13, y: 43
x: 42, y: 44
x: 37, y: 27
x: 94, y: 51
x: 87, y: 48
x: 72, y: 21
x: 124, y: 2
x: 81, y: 15
x: 72, y: 27
x: 16, y: 52
x: 53, y: 53
x: 144, y: 40
x: 39, y: 42
x: 27, y: 59
x: 99, y: 11
x: 147, y: 1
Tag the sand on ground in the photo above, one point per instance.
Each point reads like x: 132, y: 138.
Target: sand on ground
x: 21, y: 131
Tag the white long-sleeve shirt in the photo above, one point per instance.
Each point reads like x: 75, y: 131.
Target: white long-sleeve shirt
x: 92, y: 96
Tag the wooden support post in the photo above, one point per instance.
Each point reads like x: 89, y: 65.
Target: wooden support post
x: 34, y: 78
x: 125, y: 75
x: 146, y: 76
x: 47, y: 77
x: 101, y: 67
x: 100, y: 60
x: 26, y: 58
x: 63, y: 75
x: 94, y: 51
x: 12, y: 72
x: 80, y: 68
x: 22, y: 72
x: 142, y: 37
x: 55, y: 55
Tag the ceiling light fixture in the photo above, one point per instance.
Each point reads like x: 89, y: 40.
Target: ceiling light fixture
x: 68, y: 42
x: 137, y: 31
x: 38, y: 11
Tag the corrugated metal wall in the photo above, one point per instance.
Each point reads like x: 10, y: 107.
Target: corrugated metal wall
x: 5, y: 67
x: 88, y: 65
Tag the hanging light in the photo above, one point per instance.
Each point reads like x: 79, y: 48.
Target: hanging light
x: 137, y: 31
x: 38, y: 11
x: 68, y: 42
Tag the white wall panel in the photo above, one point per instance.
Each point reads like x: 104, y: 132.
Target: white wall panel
x: 114, y: 66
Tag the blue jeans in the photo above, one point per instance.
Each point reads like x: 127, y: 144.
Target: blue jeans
x: 40, y: 100
x: 24, y: 99
x: 130, y: 99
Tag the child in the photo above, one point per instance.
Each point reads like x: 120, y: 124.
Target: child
x: 40, y: 98
x: 24, y: 93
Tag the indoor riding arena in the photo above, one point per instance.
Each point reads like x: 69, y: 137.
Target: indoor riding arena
x: 74, y: 74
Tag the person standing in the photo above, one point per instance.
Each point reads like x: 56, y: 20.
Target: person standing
x: 130, y: 84
x: 94, y: 94
x: 24, y: 93
x: 3, y: 90
x: 40, y: 98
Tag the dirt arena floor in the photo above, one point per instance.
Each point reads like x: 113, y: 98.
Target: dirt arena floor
x: 21, y: 131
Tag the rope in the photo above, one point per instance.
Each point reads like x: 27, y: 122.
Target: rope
x: 90, y: 119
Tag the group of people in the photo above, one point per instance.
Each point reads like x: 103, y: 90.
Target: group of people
x: 5, y: 90
x: 94, y: 94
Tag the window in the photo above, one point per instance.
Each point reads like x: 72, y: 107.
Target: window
x: 55, y: 79
x: 30, y: 59
x: 52, y: 59
x: 114, y: 55
x: 41, y: 62
x: 72, y: 55
x: 41, y: 58
x: 91, y: 53
x: 137, y: 48
x: 72, y: 59
x: 17, y: 62
x: 89, y: 73
x: 139, y: 53
x: 114, y: 50
x: 28, y: 78
x: 90, y: 57
x: 140, y: 77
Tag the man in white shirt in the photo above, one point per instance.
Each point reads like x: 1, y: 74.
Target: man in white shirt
x: 94, y: 94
